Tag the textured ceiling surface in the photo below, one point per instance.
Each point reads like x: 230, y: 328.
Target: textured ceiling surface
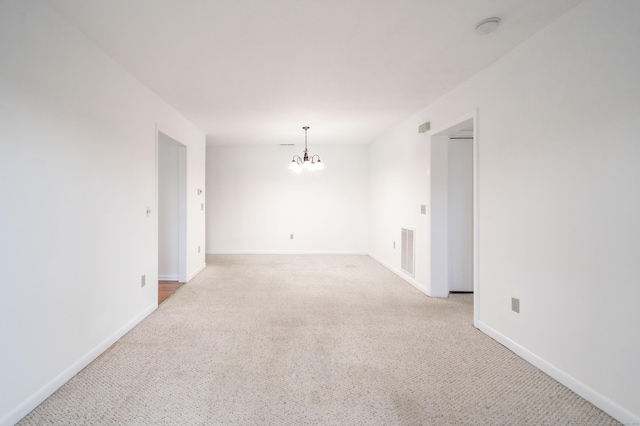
x: 254, y: 72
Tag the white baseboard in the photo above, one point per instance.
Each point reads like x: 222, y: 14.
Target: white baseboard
x: 15, y: 415
x: 621, y: 414
x: 360, y: 253
x: 167, y: 278
x: 197, y: 271
x: 401, y: 274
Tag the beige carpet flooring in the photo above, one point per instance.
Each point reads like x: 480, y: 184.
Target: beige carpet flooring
x: 305, y: 339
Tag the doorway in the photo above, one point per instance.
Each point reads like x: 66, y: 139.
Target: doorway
x: 460, y: 211
x: 454, y: 159
x: 172, y: 209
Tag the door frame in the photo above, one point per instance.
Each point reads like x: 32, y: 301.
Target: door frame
x: 452, y: 127
x: 182, y: 196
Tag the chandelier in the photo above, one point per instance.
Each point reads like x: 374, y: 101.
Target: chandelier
x: 306, y: 162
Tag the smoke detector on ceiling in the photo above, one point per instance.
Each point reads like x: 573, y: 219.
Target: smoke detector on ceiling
x: 487, y: 26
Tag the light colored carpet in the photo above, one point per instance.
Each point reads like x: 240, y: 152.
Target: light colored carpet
x: 305, y: 339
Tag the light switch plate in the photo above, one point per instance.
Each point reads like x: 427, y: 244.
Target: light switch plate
x: 515, y: 305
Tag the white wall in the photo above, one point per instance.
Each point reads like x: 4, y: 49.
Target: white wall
x: 254, y: 202
x: 196, y: 199
x: 77, y: 173
x: 398, y: 186
x: 558, y: 199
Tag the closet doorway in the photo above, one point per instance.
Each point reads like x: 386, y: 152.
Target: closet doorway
x: 454, y: 213
x: 172, y: 209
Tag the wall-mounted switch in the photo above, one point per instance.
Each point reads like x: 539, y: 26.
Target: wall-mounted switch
x: 291, y: 236
x: 423, y: 209
x: 394, y: 244
x: 198, y: 249
x: 148, y: 211
x: 202, y: 206
x: 515, y: 305
x: 143, y: 280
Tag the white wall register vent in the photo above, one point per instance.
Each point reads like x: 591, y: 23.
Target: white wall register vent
x: 407, y: 257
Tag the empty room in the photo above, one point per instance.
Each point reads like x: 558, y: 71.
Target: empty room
x: 374, y: 212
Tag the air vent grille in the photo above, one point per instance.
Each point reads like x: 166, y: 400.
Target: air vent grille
x: 424, y: 127
x: 408, y: 251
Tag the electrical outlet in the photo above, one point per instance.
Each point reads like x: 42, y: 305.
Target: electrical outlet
x: 423, y: 209
x: 143, y: 280
x: 515, y: 305
x: 291, y: 236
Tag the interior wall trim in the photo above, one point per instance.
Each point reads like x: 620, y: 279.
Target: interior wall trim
x: 196, y: 271
x: 401, y: 274
x: 167, y: 277
x: 362, y: 253
x: 605, y: 404
x: 19, y: 412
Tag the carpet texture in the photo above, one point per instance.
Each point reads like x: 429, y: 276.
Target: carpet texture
x: 305, y: 339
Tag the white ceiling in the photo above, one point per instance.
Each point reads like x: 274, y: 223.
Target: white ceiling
x: 255, y: 72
